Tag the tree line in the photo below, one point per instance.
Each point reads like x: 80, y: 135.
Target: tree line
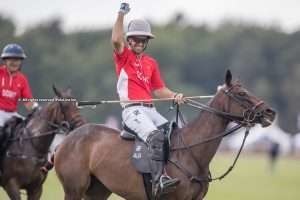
x: 193, y: 59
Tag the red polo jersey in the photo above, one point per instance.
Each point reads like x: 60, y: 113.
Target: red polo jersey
x: 12, y: 88
x: 137, y: 76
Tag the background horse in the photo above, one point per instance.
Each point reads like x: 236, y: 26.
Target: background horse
x: 27, y: 151
x: 101, y: 160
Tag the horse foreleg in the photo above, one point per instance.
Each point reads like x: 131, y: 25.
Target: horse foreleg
x: 35, y: 193
x: 12, y: 189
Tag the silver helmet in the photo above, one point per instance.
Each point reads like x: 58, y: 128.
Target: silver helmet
x: 138, y: 27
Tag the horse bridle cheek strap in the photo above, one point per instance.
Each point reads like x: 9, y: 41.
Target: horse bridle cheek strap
x: 65, y: 125
x: 247, y: 120
x: 250, y: 114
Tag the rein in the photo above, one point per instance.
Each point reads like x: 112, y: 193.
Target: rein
x: 61, y: 128
x: 247, y: 120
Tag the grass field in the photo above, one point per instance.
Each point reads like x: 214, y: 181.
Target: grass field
x: 250, y: 180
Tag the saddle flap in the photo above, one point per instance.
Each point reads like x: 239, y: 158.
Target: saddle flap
x: 140, y: 157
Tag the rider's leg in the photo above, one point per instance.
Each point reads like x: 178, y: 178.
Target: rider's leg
x: 162, y: 122
x: 155, y: 143
x: 139, y: 121
x: 143, y: 121
x: 4, y: 116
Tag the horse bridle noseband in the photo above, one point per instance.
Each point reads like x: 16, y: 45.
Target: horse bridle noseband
x: 250, y: 114
x: 248, y: 119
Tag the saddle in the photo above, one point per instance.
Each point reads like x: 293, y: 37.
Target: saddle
x: 8, y: 130
x: 141, y: 157
x: 167, y: 128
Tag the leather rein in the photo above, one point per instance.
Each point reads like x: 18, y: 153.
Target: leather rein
x: 62, y: 128
x: 248, y: 119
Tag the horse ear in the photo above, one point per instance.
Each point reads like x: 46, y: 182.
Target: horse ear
x: 56, y: 91
x: 228, y: 78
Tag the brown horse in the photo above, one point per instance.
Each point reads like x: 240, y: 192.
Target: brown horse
x: 27, y: 150
x: 94, y: 161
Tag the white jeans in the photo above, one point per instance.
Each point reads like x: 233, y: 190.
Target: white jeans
x: 4, y: 116
x: 142, y: 120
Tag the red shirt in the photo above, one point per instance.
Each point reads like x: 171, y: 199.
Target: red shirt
x: 12, y: 88
x: 137, y: 76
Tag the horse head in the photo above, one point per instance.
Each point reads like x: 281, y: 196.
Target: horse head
x: 61, y: 112
x: 31, y: 140
x: 66, y: 108
x: 244, y: 106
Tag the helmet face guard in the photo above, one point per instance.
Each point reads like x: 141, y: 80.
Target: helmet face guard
x: 139, y: 27
x: 13, y: 51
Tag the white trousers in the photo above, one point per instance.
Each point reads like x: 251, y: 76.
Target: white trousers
x: 142, y: 120
x: 4, y: 116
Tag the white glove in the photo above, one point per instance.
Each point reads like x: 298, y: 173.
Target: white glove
x: 124, y: 8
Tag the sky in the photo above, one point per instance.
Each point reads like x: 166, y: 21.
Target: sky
x: 95, y: 14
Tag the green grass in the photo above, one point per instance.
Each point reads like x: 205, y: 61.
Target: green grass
x: 251, y: 179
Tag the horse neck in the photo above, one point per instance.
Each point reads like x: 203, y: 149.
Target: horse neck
x: 77, y: 121
x: 206, y: 125
x: 39, y: 125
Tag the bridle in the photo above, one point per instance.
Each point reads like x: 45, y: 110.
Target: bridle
x: 250, y: 116
x: 57, y: 128
x: 61, y: 128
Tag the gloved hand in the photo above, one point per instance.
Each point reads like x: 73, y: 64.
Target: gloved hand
x: 179, y: 98
x: 35, y: 107
x: 124, y: 8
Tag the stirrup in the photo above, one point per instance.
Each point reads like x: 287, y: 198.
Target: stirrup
x: 168, y: 184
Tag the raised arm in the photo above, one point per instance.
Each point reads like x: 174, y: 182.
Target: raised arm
x: 117, y: 37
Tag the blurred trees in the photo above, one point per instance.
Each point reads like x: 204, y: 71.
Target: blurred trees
x: 193, y: 59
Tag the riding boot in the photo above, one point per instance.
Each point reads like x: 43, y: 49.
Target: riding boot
x: 155, y: 142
